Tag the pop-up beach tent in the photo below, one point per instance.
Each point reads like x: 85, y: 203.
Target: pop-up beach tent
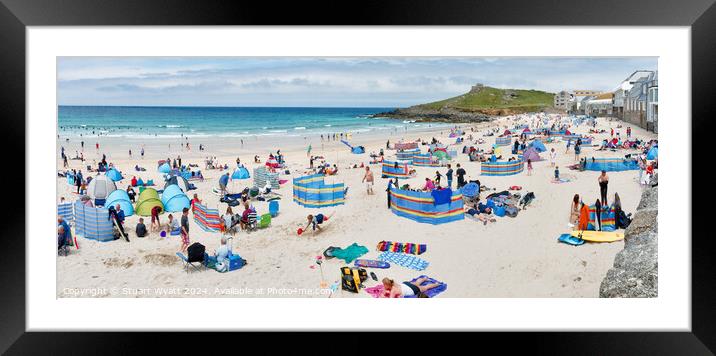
x: 312, y: 192
x: 99, y: 189
x: 653, y: 153
x: 148, y: 199
x: 164, y: 168
x: 120, y: 197
x: 174, y: 199
x: 240, y: 173
x: 177, y: 180
x: 531, y: 154
x: 538, y: 145
x: 114, y: 174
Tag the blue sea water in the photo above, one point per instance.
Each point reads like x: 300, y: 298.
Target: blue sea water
x: 133, y: 121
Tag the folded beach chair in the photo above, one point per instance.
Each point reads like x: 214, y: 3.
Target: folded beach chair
x: 195, y: 264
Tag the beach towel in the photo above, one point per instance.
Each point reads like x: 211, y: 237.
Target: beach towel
x: 376, y: 291
x: 350, y: 253
x: 441, y: 196
x: 404, y: 260
x: 410, y: 248
x: 430, y: 292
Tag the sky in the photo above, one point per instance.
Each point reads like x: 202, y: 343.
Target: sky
x: 322, y: 82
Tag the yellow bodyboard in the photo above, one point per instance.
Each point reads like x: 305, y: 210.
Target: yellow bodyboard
x: 599, y: 236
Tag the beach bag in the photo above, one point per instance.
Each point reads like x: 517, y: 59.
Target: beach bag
x: 352, y: 278
x: 195, y: 252
x: 500, y: 211
x: 623, y: 220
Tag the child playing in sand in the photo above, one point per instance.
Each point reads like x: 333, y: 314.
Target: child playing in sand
x: 315, y: 221
x: 529, y: 166
x: 406, y: 289
x: 556, y: 173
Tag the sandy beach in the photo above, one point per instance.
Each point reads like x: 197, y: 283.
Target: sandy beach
x: 513, y: 257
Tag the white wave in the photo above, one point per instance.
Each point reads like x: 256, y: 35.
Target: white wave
x: 299, y: 128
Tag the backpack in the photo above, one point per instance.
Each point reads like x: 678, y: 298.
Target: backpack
x: 623, y: 220
x: 511, y: 210
x: 195, y: 252
x: 352, y: 278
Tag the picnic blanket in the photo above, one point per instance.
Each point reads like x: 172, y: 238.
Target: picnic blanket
x: 378, y: 290
x: 404, y: 260
x: 411, y: 248
x: 350, y: 253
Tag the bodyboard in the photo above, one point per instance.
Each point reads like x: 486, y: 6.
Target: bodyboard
x: 570, y: 240
x: 371, y: 264
x: 598, y: 236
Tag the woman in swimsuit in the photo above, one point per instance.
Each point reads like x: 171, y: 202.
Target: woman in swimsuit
x: 406, y: 289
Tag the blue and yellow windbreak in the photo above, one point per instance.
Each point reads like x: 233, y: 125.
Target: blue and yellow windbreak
x: 502, y: 168
x: 312, y: 192
x: 419, y: 206
x: 407, y: 155
x: 611, y: 164
x: 390, y: 171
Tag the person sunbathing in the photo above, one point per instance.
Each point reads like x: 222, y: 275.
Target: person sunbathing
x: 480, y: 212
x: 406, y: 289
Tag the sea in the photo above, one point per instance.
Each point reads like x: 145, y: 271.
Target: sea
x: 170, y: 122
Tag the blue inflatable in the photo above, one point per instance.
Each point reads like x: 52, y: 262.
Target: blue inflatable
x: 538, y: 145
x: 653, y: 153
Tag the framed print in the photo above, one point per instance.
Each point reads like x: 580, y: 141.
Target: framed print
x: 209, y: 172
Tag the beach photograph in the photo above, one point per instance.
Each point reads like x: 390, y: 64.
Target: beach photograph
x: 357, y: 177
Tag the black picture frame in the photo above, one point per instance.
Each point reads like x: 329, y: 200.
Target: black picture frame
x: 16, y: 15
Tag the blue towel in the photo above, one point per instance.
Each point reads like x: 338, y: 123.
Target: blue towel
x: 404, y: 260
x: 441, y: 196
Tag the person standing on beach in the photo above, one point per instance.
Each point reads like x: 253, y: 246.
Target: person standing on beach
x: 552, y: 157
x: 142, y: 152
x: 130, y: 154
x: 368, y: 179
x: 603, y: 183
x: 82, y: 144
x: 96, y: 146
x: 569, y: 143
x: 448, y: 175
x: 308, y: 151
x: 577, y: 151
x: 529, y: 166
x: 387, y: 190
x: 460, y: 176
x: 185, y: 229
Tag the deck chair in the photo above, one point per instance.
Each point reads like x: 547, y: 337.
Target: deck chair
x: 195, y: 264
x: 265, y: 221
x: 253, y: 223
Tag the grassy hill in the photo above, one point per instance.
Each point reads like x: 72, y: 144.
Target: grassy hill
x: 488, y: 99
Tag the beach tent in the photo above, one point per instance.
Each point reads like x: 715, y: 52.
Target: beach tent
x: 178, y: 180
x: 174, y: 199
x: 93, y: 223
x: 100, y: 187
x: 114, y: 174
x: 538, y: 146
x: 505, y: 168
x: 611, y: 164
x: 312, y: 192
x: 120, y: 197
x: 507, y: 133
x: 395, y: 170
x: 164, y: 168
x: 354, y: 150
x: 526, y: 131
x: 148, y: 199
x: 441, y: 155
x: 653, y: 153
x: 531, y: 154
x: 422, y: 206
x: 240, y: 173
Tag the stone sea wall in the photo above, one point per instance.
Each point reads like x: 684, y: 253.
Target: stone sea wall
x: 635, y: 271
